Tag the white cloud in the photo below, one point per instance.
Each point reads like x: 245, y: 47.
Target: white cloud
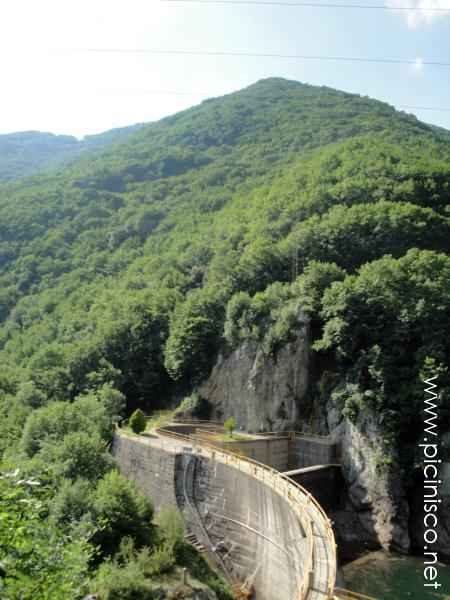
x: 424, y: 12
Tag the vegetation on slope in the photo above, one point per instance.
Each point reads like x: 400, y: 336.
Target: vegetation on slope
x: 28, y: 152
x: 122, y: 276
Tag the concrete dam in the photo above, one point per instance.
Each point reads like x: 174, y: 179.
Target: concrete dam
x: 264, y: 531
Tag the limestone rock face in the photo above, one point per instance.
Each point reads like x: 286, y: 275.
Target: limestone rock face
x: 269, y: 393
x: 261, y: 392
x: 374, y: 487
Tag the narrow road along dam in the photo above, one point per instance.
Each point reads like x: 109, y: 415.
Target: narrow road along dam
x: 261, y: 528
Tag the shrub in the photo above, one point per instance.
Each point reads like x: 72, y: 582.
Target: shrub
x: 122, y: 511
x: 171, y: 526
x: 38, y: 559
x: 195, y: 330
x: 194, y: 406
x: 72, y: 502
x: 137, y: 421
x: 230, y: 425
x: 115, y: 582
x: 53, y: 422
x: 79, y: 454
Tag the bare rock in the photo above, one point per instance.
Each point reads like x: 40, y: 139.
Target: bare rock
x: 374, y: 482
x: 262, y: 392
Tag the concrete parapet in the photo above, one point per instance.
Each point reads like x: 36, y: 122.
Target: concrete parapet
x: 308, y: 451
x: 273, y: 452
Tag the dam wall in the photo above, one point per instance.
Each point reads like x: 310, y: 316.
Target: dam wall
x: 326, y: 484
x: 151, y: 468
x: 257, y: 537
x: 309, y: 451
x: 273, y: 452
x: 259, y: 527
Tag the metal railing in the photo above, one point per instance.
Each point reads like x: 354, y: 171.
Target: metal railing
x: 296, y: 495
x: 183, y: 421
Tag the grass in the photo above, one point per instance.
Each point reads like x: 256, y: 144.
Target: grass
x: 235, y: 437
x: 156, y: 419
x: 159, y: 419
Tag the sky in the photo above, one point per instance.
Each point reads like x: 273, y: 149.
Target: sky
x: 51, y: 82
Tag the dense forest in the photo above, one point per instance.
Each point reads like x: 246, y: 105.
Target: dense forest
x: 123, y: 274
x: 29, y: 152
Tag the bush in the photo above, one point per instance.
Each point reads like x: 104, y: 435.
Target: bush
x: 51, y: 423
x: 194, y: 406
x: 39, y: 559
x: 230, y: 425
x: 115, y: 582
x: 122, y: 511
x: 137, y: 421
x: 72, y: 502
x: 171, y: 526
x: 201, y: 570
x: 195, y: 330
x: 79, y: 454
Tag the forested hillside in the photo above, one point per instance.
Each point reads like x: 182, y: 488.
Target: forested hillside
x: 29, y: 152
x: 123, y: 274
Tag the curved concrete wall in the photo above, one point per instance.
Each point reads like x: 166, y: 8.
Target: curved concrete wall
x: 257, y: 526
x: 256, y: 535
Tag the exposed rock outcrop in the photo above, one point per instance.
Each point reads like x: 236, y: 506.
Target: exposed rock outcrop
x: 269, y: 392
x: 262, y: 392
x: 375, y: 487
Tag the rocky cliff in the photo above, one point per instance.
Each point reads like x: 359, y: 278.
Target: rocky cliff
x: 262, y: 392
x: 374, y: 482
x: 269, y: 393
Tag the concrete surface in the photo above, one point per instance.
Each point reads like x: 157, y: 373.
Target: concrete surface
x: 247, y: 521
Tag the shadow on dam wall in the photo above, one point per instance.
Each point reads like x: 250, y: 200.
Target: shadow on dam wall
x: 249, y: 530
x: 253, y: 531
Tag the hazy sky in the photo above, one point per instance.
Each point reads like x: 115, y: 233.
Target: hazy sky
x: 47, y: 85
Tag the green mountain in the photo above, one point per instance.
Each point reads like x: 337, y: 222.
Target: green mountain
x: 125, y: 273
x: 29, y: 152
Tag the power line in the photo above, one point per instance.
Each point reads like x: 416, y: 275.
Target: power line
x: 435, y: 108
x: 313, y: 5
x: 210, y: 95
x: 355, y: 59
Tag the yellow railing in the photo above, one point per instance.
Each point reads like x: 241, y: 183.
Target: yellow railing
x: 297, y: 496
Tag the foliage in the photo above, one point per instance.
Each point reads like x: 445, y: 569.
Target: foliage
x: 72, y: 502
x: 274, y: 317
x: 171, y: 527
x: 278, y: 211
x: 38, y: 558
x: 193, y: 406
x: 51, y: 423
x: 193, y: 336
x: 201, y: 570
x: 138, y: 421
x: 123, y: 511
x: 127, y: 582
x: 386, y: 323
x: 29, y: 152
x: 230, y: 426
x: 79, y: 454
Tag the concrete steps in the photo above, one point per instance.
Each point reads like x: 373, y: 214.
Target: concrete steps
x: 193, y: 540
